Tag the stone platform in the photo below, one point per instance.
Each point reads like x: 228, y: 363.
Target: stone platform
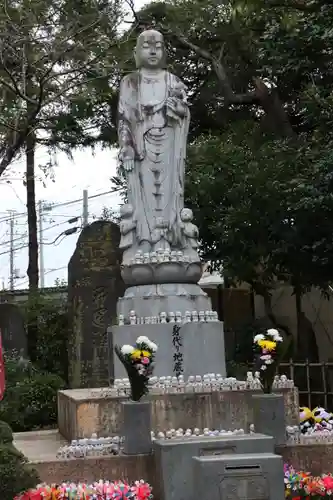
x: 81, y: 413
x: 201, y: 347
x: 40, y: 449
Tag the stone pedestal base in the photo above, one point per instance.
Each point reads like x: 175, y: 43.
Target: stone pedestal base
x: 202, y: 347
x: 82, y: 412
x: 151, y: 300
x: 269, y: 417
x: 136, y: 427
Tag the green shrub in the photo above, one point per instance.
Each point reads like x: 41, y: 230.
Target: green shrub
x: 16, y: 475
x: 6, y: 434
x: 30, y: 400
x: 51, y: 348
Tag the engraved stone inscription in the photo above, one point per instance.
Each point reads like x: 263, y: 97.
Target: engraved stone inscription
x: 94, y: 285
x: 210, y: 452
x: 244, y: 488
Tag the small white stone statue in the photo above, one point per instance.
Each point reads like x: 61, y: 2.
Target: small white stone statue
x: 163, y: 317
x: 160, y: 255
x: 167, y: 255
x: 190, y: 235
x: 202, y: 316
x: 174, y: 256
x: 139, y: 257
x: 146, y: 258
x: 153, y: 258
x: 195, y: 318
x: 178, y: 317
x: 121, y: 320
x: 132, y: 318
x: 180, y: 256
x: 188, y: 317
x: 208, y: 316
x: 171, y: 317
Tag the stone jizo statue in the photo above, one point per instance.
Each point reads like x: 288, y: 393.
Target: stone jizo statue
x: 190, y: 235
x: 153, y: 127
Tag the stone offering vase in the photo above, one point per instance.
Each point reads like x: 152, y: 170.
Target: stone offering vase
x: 138, y: 361
x: 269, y: 416
x: 136, y: 427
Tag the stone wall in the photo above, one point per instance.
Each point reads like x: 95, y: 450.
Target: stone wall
x: 315, y: 458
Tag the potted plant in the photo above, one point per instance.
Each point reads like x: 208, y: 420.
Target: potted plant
x: 138, y: 361
x: 268, y: 407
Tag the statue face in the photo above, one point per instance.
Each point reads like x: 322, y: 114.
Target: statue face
x: 149, y: 52
x: 186, y: 215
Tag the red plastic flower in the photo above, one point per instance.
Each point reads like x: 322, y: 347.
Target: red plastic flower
x: 142, y: 490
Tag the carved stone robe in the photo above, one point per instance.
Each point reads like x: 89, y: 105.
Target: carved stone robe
x: 158, y: 137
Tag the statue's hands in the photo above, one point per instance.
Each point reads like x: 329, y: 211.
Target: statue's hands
x: 128, y: 164
x: 127, y: 159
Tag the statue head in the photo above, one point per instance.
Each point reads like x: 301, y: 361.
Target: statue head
x: 150, y: 51
x: 186, y: 215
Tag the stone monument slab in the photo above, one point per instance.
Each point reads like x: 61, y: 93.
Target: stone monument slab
x: 251, y: 476
x: 94, y: 286
x: 199, y: 349
x: 174, y: 466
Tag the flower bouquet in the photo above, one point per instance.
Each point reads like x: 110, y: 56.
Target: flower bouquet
x: 303, y: 486
x: 138, y: 361
x: 267, y: 347
x: 102, y: 490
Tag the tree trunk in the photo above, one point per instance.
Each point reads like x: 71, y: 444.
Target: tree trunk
x: 307, y: 347
x: 32, y: 271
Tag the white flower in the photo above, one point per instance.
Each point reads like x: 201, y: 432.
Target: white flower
x: 258, y: 337
x: 127, y: 349
x: 263, y: 367
x: 272, y: 332
x: 269, y: 361
x: 152, y: 346
x: 142, y: 340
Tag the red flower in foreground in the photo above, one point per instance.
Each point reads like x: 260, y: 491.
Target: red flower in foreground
x: 328, y: 482
x: 142, y: 490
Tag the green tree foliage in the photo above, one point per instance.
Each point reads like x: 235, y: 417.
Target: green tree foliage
x: 259, y: 167
x: 56, y: 73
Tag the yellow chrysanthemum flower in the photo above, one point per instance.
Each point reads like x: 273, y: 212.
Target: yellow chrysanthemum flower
x: 269, y: 345
x: 137, y: 354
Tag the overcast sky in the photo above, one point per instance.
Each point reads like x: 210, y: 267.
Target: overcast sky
x: 87, y: 171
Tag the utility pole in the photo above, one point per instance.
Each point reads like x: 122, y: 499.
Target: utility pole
x: 41, y: 249
x: 11, y: 251
x: 85, y: 213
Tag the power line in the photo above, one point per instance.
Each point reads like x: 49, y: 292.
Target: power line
x: 20, y: 238
x: 46, y: 272
x: 65, y: 204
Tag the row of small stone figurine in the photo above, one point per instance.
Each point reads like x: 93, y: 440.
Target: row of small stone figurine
x: 195, y: 383
x: 94, y: 446
x: 91, y: 447
x: 170, y: 317
x: 161, y: 255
